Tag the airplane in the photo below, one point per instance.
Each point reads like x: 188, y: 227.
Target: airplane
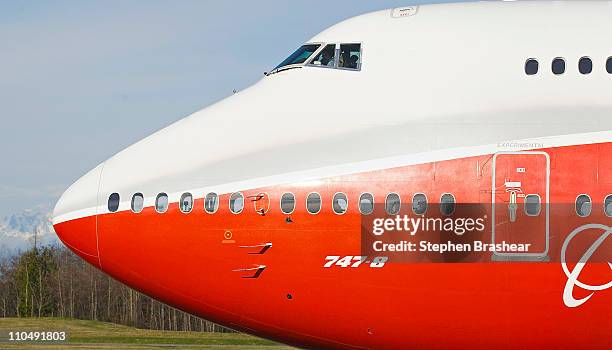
x: 298, y: 209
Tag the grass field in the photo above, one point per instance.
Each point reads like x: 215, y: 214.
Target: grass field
x: 92, y: 335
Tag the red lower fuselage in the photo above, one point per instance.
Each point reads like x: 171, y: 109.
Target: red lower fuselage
x: 215, y: 265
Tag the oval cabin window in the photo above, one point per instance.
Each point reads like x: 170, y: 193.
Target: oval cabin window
x: 608, y: 205
x: 236, y: 203
x: 533, y: 205
x: 585, y: 65
x: 186, y: 203
x: 447, y: 204
x: 609, y: 65
x: 113, y: 202
x: 340, y: 203
x: 583, y: 205
x: 211, y: 203
x: 313, y: 203
x: 532, y: 66
x: 137, y: 202
x: 558, y: 66
x: 419, y: 204
x: 161, y: 203
x: 366, y: 203
x: 287, y: 203
x: 393, y: 204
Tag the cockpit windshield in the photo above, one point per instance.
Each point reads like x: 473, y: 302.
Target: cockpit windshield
x: 299, y: 56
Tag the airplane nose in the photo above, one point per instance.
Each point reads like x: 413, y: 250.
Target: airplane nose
x: 74, y: 216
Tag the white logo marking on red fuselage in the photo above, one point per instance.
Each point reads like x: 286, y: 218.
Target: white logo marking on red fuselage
x: 572, y: 276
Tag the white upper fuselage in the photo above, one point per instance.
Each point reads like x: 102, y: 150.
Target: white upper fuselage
x: 448, y: 77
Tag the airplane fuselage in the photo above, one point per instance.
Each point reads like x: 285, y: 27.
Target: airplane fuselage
x: 274, y: 194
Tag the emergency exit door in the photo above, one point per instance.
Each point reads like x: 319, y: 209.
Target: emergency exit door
x: 520, y: 203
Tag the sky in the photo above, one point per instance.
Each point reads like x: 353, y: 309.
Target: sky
x: 81, y: 80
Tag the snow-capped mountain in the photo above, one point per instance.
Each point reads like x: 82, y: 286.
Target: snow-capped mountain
x: 17, y: 231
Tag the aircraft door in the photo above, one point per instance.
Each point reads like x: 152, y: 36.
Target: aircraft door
x: 520, y: 204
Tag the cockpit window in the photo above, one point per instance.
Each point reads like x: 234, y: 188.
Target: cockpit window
x: 325, y: 58
x: 350, y: 56
x: 299, y: 56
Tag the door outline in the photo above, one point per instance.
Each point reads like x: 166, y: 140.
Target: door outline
x: 521, y: 256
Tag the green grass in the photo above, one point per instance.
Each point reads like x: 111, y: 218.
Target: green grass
x: 93, y: 335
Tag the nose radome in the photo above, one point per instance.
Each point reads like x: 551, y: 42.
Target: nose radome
x: 74, y: 216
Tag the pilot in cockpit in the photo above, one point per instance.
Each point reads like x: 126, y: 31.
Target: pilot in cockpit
x: 327, y: 58
x: 352, y: 63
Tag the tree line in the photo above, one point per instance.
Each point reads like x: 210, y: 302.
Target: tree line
x: 53, y: 282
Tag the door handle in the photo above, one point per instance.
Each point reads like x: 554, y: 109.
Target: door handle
x: 512, y: 207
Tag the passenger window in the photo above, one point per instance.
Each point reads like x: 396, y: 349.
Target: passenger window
x: 558, y: 66
x: 236, y: 203
x: 608, y: 205
x: 419, y: 204
x: 313, y: 203
x: 447, y: 204
x: 113, y: 202
x: 531, y: 66
x: 350, y: 56
x: 340, y: 203
x: 287, y: 203
x: 137, y: 202
x: 299, y: 56
x: 533, y: 205
x: 211, y: 203
x: 393, y: 204
x: 609, y: 65
x: 326, y: 58
x: 366, y: 203
x: 161, y: 203
x: 585, y: 65
x: 186, y: 203
x: 583, y: 205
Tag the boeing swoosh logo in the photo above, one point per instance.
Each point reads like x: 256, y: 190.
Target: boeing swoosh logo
x: 572, y: 276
